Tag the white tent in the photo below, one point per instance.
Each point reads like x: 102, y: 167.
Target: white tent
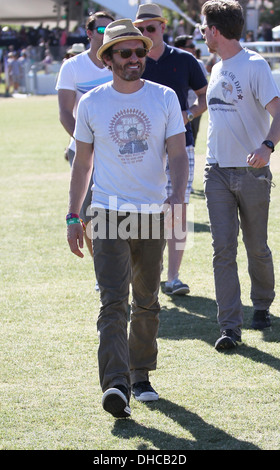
x: 21, y: 11
x: 128, y: 8
x: 276, y: 32
x: 31, y: 11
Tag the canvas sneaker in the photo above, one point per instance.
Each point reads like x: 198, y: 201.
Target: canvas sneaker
x: 116, y: 401
x: 261, y: 320
x: 176, y: 287
x: 228, y: 340
x: 143, y: 391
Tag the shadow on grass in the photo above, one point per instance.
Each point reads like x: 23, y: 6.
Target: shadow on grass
x: 197, y: 194
x: 205, y: 436
x: 194, y: 317
x: 190, y: 317
x: 198, y: 227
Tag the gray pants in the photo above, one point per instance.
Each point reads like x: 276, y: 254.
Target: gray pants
x: 233, y: 193
x: 127, y: 358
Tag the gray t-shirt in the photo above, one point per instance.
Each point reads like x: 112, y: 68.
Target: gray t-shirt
x: 238, y: 92
x: 129, y: 133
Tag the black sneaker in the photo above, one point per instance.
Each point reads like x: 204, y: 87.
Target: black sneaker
x: 228, y: 340
x: 116, y: 401
x: 261, y: 320
x: 143, y: 391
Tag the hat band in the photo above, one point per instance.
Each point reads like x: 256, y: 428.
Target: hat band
x: 127, y: 34
x: 146, y: 15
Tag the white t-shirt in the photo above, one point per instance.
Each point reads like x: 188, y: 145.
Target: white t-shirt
x: 81, y: 75
x: 238, y: 91
x: 129, y: 132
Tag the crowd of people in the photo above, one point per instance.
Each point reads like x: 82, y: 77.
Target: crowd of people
x: 41, y: 37
x: 21, y: 48
x: 27, y: 46
x: 41, y: 46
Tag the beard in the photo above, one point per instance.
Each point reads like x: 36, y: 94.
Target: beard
x: 127, y: 73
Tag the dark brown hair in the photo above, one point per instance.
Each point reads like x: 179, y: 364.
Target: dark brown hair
x: 227, y: 16
x: 90, y: 24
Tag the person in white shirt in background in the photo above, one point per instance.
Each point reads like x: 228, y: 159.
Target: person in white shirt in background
x: 77, y: 75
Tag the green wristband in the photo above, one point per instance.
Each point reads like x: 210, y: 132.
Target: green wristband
x: 72, y: 221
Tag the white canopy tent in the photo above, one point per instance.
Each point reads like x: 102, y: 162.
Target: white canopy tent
x: 128, y: 8
x: 32, y: 11
x: 276, y: 32
x: 24, y: 11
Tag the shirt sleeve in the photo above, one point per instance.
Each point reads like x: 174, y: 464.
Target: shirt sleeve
x: 83, y: 130
x: 66, y: 77
x: 197, y: 77
x: 264, y: 86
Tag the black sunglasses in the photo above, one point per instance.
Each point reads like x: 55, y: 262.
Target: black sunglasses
x: 203, y: 27
x: 126, y: 53
x: 149, y: 29
x: 100, y: 29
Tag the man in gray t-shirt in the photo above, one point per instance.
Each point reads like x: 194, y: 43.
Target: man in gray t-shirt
x: 241, y: 97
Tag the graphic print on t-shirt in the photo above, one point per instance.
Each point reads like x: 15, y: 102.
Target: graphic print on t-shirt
x: 84, y: 87
x: 226, y: 89
x: 130, y: 129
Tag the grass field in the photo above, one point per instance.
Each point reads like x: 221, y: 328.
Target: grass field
x: 49, y: 391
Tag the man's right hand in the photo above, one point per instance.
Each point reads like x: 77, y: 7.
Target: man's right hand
x: 75, y: 239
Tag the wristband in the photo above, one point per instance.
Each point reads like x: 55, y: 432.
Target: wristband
x: 72, y: 216
x: 73, y: 220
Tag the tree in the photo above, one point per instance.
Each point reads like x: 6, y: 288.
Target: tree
x: 270, y: 15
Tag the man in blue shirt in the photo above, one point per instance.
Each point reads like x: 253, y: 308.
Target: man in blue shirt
x: 180, y: 71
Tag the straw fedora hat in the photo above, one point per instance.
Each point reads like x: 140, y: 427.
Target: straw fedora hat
x: 149, y: 11
x: 121, y: 30
x: 76, y: 48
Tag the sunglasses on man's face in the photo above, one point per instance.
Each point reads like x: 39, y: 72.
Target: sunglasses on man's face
x: 126, y: 53
x: 202, y: 28
x: 100, y: 29
x: 149, y: 29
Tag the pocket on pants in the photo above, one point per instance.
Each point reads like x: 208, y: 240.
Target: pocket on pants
x: 262, y: 178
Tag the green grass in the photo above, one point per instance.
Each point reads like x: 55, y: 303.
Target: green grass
x: 49, y: 391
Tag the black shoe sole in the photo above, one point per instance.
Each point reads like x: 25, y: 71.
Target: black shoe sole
x: 226, y: 343
x: 115, y: 403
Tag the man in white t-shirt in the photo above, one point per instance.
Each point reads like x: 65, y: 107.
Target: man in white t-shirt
x: 128, y: 199
x: 78, y: 75
x: 241, y: 96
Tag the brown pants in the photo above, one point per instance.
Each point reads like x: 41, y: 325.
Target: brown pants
x: 126, y: 358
